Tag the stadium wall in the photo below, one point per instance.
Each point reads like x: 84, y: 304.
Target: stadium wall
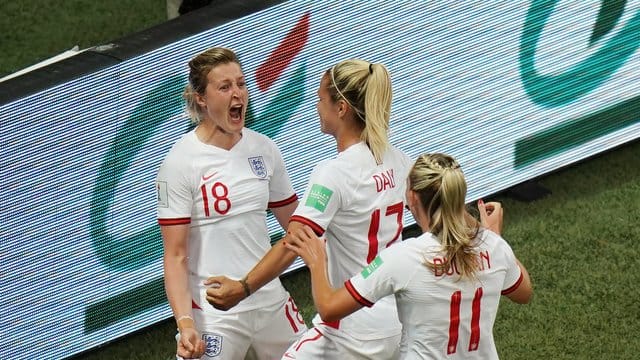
x: 513, y: 89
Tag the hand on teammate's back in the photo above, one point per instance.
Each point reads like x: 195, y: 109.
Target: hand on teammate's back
x: 308, y: 246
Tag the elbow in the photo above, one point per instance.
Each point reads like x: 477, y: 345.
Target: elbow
x: 523, y: 299
x: 522, y: 296
x: 333, y: 310
x: 175, y: 262
x: 327, y: 310
x: 324, y: 311
x: 529, y: 296
x: 327, y: 315
x: 177, y: 259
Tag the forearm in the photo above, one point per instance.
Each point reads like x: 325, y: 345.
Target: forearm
x: 176, y: 282
x: 332, y: 304
x: 321, y: 290
x: 275, y: 261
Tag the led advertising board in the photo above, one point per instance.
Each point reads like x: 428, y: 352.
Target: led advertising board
x: 513, y: 89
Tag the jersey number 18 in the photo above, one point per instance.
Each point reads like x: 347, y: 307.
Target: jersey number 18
x: 221, y: 203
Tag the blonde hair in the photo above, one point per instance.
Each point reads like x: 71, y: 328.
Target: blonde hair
x: 366, y: 87
x: 441, y: 188
x: 199, y: 68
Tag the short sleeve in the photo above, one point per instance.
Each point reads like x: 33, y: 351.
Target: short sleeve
x: 514, y: 275
x: 281, y: 191
x: 174, y: 196
x: 385, y: 275
x: 321, y: 200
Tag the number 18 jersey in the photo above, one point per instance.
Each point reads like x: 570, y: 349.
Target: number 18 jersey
x: 224, y: 195
x: 358, y: 205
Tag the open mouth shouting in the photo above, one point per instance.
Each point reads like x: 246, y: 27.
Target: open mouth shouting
x: 235, y: 113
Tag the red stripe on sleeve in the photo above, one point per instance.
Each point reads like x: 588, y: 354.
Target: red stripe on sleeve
x: 513, y: 288
x: 315, y: 227
x: 169, y: 222
x: 356, y: 295
x: 287, y: 201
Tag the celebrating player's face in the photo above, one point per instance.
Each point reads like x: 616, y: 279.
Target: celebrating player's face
x: 225, y: 98
x: 326, y: 108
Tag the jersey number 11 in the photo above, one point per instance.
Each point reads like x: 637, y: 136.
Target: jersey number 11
x: 454, y: 321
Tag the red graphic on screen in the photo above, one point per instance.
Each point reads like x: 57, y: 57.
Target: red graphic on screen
x: 282, y: 56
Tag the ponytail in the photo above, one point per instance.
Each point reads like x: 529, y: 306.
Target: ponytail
x: 377, y: 107
x: 366, y: 87
x: 441, y: 188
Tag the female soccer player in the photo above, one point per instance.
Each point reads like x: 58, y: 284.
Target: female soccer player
x: 355, y: 199
x: 214, y: 188
x: 447, y: 282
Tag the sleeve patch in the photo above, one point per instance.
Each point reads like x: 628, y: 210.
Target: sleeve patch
x: 163, y: 195
x: 373, y: 265
x: 318, y: 197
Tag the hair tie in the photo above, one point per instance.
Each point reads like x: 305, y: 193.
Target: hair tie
x: 370, y: 68
x: 333, y: 82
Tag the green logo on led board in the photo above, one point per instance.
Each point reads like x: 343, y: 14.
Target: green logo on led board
x: 583, y: 77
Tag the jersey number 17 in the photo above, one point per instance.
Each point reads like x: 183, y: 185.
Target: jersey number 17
x: 374, y: 226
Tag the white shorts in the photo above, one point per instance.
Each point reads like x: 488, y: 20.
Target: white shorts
x: 325, y: 342
x: 260, y: 334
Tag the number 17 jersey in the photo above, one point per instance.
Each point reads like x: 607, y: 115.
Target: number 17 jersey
x: 358, y: 205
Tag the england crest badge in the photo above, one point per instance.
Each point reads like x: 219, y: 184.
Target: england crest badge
x: 258, y: 167
x: 213, y: 344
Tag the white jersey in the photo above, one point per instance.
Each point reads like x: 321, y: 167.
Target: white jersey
x: 358, y: 205
x: 442, y: 316
x: 224, y: 195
